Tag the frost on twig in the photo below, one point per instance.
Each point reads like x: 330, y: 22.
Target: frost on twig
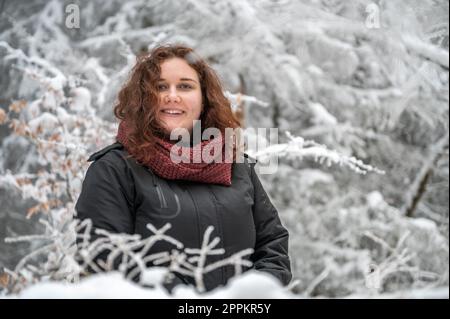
x: 298, y: 147
x: 238, y: 99
x: 398, y: 259
x: 102, y: 251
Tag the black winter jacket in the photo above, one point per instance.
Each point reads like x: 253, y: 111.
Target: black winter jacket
x: 122, y: 196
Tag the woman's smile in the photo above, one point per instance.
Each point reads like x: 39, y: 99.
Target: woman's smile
x: 172, y: 112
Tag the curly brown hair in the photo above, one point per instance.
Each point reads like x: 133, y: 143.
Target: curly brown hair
x: 139, y: 98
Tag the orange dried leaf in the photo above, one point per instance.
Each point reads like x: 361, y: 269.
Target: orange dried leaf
x: 2, y: 116
x: 56, y: 137
x: 33, y: 210
x: 4, y: 280
x: 22, y: 181
x: 18, y: 106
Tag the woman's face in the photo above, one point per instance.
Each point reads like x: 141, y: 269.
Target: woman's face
x: 180, y: 95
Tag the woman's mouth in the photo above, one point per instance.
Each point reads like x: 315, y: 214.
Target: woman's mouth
x: 172, y: 112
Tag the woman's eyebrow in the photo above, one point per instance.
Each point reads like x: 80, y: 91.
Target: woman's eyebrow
x: 181, y: 79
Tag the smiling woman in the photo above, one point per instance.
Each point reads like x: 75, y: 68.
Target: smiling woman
x: 134, y: 182
x: 169, y: 79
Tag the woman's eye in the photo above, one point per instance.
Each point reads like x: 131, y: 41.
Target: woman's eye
x: 185, y: 86
x: 161, y: 87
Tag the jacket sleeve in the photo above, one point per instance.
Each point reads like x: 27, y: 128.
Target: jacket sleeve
x: 106, y: 199
x: 272, y: 238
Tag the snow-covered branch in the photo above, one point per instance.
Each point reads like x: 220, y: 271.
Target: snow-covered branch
x: 299, y: 148
x: 128, y: 254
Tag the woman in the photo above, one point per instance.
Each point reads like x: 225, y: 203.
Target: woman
x: 134, y: 182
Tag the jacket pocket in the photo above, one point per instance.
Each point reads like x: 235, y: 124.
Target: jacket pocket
x: 168, y: 201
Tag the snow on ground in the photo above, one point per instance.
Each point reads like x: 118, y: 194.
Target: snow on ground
x: 112, y: 285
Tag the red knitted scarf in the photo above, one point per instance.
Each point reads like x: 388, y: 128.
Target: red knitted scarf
x: 162, y: 165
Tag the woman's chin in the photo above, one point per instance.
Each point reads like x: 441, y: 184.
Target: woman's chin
x: 174, y: 128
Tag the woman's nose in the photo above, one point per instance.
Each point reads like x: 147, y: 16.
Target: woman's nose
x: 172, y: 95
